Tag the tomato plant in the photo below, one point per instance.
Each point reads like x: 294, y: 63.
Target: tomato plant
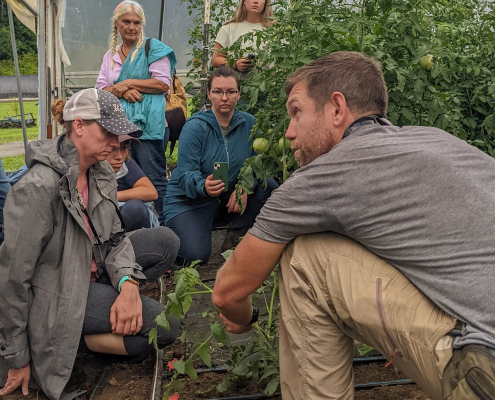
x: 437, y: 58
x: 264, y: 367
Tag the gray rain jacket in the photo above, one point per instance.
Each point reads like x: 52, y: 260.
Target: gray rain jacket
x: 45, y: 262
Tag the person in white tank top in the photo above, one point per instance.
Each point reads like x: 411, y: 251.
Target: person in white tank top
x: 251, y: 15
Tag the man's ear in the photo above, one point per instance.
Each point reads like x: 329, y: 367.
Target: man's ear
x: 340, y: 110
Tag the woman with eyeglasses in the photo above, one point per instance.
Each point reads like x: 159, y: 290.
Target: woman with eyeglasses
x: 68, y: 267
x: 134, y: 190
x: 195, y: 201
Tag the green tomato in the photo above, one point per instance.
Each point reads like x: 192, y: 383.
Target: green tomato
x: 288, y: 28
x: 277, y: 149
x: 270, y: 131
x: 283, y: 141
x: 260, y: 145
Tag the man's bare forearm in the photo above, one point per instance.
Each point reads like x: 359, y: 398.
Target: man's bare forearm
x: 245, y: 271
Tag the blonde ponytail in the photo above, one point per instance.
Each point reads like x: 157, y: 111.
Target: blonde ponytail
x: 113, y: 44
x: 138, y: 45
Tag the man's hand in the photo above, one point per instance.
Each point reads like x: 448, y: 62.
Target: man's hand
x: 126, y: 314
x: 132, y: 95
x: 243, y: 64
x: 233, y: 206
x: 214, y: 187
x: 119, y: 89
x: 234, y: 328
x: 16, y: 378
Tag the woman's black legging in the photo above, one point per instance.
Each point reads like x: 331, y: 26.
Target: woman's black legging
x: 155, y: 250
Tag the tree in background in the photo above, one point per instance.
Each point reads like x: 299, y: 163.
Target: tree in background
x: 26, y: 46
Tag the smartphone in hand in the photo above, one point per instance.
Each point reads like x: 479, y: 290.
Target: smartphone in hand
x: 221, y: 171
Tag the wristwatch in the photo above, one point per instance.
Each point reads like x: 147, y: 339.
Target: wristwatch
x: 132, y: 280
x: 256, y: 313
x: 128, y: 278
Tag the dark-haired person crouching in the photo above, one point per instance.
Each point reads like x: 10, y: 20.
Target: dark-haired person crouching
x: 194, y: 199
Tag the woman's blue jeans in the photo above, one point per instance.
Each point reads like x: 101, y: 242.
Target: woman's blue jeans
x: 150, y: 156
x: 194, y: 227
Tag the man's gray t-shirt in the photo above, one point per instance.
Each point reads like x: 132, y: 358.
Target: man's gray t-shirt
x: 419, y: 198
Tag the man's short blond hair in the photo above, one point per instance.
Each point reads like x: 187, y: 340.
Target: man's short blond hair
x: 358, y: 77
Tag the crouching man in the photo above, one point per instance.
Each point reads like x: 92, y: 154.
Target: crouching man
x: 384, y: 235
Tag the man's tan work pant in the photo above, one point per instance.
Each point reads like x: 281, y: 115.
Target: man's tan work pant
x: 332, y: 291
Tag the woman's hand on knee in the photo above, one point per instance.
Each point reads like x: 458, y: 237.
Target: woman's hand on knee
x: 126, y: 314
x: 15, y: 378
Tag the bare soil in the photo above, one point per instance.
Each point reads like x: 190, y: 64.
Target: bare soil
x: 107, y: 377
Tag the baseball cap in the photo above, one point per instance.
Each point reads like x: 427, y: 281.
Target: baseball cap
x: 104, y: 108
x: 125, y: 138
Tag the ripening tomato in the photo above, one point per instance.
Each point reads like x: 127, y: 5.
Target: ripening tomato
x: 260, y: 145
x: 284, y: 141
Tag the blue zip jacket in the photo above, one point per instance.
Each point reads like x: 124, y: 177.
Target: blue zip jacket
x: 201, y: 144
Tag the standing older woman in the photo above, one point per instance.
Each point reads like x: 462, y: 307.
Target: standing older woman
x: 138, y: 72
x: 194, y: 198
x: 250, y: 16
x: 66, y: 264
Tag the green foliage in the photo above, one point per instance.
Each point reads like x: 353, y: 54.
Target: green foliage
x: 364, y: 349
x: 28, y: 65
x: 242, y: 364
x: 25, y: 39
x: 221, y: 11
x: 455, y: 93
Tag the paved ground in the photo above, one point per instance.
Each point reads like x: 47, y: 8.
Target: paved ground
x: 11, y: 149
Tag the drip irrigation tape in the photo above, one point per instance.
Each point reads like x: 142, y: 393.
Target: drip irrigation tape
x: 370, y: 385
x: 156, y: 383
x: 357, y: 360
x: 365, y: 360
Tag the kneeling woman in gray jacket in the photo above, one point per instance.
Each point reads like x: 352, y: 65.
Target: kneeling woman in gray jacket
x: 67, y: 266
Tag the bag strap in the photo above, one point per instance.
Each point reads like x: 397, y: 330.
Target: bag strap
x: 174, y: 77
x: 147, y: 47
